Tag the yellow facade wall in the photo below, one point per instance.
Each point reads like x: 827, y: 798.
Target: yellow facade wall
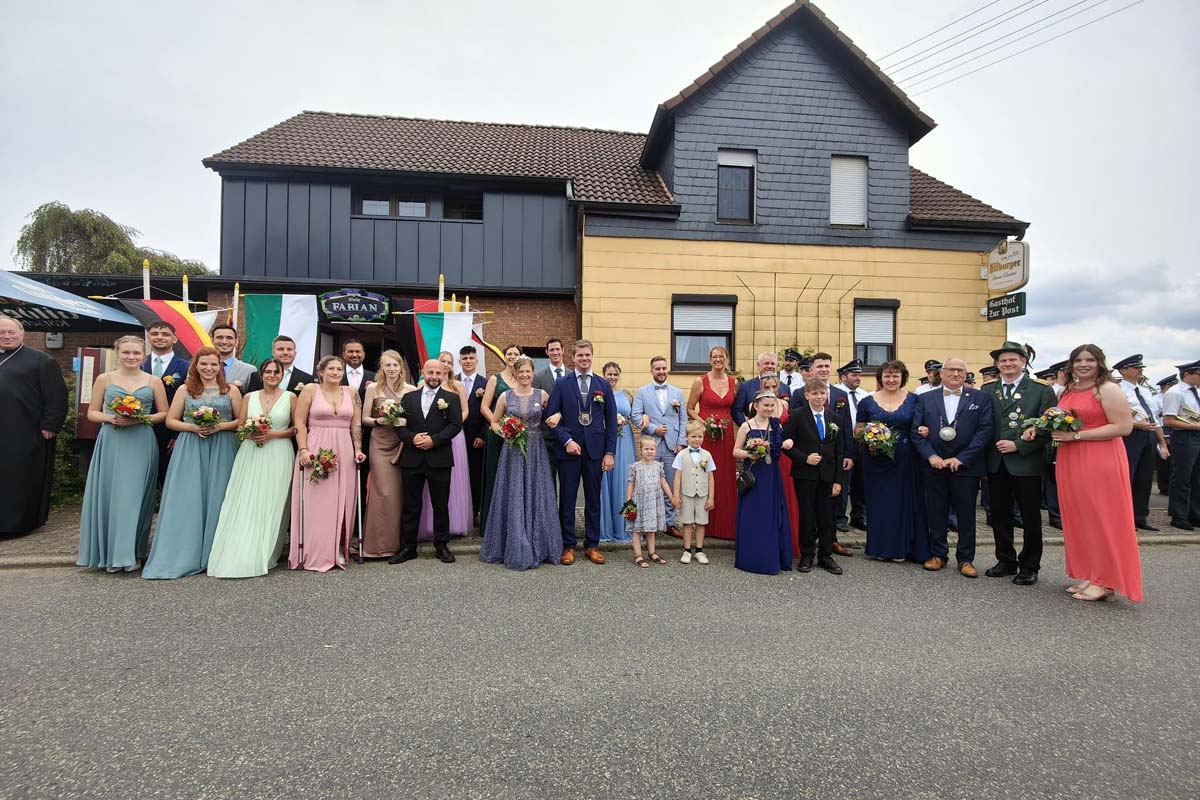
x: 787, y: 294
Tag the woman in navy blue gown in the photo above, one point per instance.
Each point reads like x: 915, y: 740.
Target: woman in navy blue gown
x: 763, y: 542
x: 895, y: 501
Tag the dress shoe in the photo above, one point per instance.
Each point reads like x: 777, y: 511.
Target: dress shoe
x: 1025, y: 578
x: 934, y: 564
x: 594, y: 555
x: 860, y: 524
x: 1146, y: 526
x: 407, y: 554
x: 568, y: 557
x: 804, y: 565
x: 1056, y: 524
x: 445, y: 556
x: 700, y: 557
x: 1001, y: 570
x: 1182, y: 524
x: 843, y: 527
x: 967, y: 570
x: 829, y: 565
x: 842, y: 550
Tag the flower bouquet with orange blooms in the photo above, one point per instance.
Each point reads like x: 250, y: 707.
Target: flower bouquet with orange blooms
x: 878, y: 438
x: 323, y: 464
x: 1056, y: 418
x: 129, y: 407
x: 256, y: 424
x: 206, y: 417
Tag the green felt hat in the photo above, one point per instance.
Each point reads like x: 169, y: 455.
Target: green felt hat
x: 1023, y: 350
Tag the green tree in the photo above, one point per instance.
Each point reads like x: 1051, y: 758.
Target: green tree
x: 57, y: 239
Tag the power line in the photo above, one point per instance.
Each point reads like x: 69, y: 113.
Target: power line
x: 1095, y: 5
x: 978, y: 30
x: 939, y: 30
x: 1031, y: 47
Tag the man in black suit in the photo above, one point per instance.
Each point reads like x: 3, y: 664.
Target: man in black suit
x: 813, y: 439
x: 474, y: 425
x: 358, y: 376
x: 434, y: 419
x: 294, y: 378
x: 545, y: 381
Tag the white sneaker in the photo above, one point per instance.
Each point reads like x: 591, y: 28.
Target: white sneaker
x: 701, y: 558
x: 686, y: 558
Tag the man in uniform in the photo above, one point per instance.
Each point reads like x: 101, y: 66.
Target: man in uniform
x: 1144, y: 441
x: 790, y: 375
x: 933, y: 376
x: 1181, y: 413
x: 852, y: 495
x: 1164, y: 462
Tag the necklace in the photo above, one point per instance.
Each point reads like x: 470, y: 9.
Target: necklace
x: 10, y: 355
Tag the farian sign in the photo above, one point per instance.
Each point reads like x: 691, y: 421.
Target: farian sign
x: 1008, y: 266
x: 355, y: 305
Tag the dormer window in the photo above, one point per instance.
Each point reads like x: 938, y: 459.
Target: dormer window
x: 735, y: 185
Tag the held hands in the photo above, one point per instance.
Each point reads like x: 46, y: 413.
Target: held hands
x: 953, y: 463
x: 123, y: 422
x: 923, y: 431
x: 676, y: 501
x: 936, y: 462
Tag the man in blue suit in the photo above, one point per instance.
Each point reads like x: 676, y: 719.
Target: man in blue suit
x: 587, y: 440
x: 768, y: 363
x: 951, y: 429
x: 165, y: 364
x: 821, y: 367
x: 661, y: 411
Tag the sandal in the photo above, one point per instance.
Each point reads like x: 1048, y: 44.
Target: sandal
x: 657, y: 559
x: 1079, y: 587
x: 1089, y: 596
x: 641, y: 562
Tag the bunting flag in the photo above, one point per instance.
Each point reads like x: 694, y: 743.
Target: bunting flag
x: 191, y: 328
x: 271, y: 315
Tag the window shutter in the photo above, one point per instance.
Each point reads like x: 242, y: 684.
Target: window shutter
x: 703, y: 318
x: 875, y: 325
x: 737, y: 158
x: 848, y: 190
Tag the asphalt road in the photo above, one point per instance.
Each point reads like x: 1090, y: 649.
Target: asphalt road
x: 468, y: 681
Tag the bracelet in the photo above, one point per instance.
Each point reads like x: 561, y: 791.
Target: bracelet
x: 1077, y: 436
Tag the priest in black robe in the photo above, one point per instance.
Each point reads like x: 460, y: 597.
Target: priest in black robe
x: 33, y: 406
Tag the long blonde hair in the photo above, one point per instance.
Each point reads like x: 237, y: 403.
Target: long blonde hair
x: 402, y: 378
x: 451, y: 383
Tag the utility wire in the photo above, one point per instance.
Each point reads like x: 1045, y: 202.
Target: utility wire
x: 939, y: 30
x: 986, y: 52
x: 1023, y: 8
x: 1031, y: 47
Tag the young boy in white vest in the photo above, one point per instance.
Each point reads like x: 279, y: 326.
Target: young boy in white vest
x: 694, y: 470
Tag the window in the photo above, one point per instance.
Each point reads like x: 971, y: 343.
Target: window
x: 848, y: 191
x: 698, y: 324
x: 735, y: 185
x: 463, y: 206
x: 875, y: 330
x: 376, y: 203
x: 411, y: 206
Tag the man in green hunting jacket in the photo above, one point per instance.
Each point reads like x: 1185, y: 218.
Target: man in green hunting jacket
x: 1015, y: 466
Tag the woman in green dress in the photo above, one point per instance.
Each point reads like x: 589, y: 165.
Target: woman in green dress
x: 497, y: 385
x: 198, y: 474
x: 254, y: 516
x: 118, y: 502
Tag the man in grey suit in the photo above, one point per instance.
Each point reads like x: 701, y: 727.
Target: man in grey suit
x: 545, y: 381
x: 660, y: 410
x: 225, y: 340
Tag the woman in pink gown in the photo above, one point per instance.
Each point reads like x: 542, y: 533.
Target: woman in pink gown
x: 1093, y: 484
x: 712, y: 398
x: 327, y: 417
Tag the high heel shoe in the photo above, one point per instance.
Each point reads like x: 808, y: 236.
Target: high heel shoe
x: 1105, y: 595
x: 1076, y: 588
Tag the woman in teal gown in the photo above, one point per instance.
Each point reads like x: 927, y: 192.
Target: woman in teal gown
x: 612, y: 485
x: 254, y: 516
x: 497, y: 385
x: 118, y: 501
x: 198, y: 474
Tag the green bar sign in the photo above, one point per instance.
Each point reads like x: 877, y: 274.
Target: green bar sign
x: 1010, y: 305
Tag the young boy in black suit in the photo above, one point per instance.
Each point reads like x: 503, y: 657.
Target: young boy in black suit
x: 813, y: 441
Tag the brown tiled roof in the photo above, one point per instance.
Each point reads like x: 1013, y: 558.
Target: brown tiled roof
x: 931, y: 200
x: 602, y: 165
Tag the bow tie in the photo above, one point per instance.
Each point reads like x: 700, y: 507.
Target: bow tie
x: 948, y: 392
x: 693, y: 449
x: 660, y: 387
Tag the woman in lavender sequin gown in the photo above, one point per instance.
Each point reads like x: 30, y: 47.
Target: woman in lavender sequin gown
x: 522, y: 528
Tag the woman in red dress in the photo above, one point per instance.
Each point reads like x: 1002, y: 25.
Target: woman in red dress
x: 1093, y: 483
x: 711, y: 398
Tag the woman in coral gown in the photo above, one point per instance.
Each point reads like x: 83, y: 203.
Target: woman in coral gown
x: 1099, y: 537
x: 710, y: 402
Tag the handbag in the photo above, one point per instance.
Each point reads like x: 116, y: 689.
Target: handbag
x: 745, y: 481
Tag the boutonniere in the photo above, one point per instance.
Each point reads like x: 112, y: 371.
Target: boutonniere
x: 598, y: 397
x: 833, y: 428
x: 840, y: 404
x: 675, y: 404
x: 703, y: 463
x: 298, y: 387
x: 170, y: 380
x: 479, y: 392
x: 442, y: 404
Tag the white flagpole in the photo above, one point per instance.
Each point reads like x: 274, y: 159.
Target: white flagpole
x: 237, y: 293
x: 145, y: 279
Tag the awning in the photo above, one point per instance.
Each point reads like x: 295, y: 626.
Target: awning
x: 44, y: 308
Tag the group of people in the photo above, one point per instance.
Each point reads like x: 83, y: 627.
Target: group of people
x: 253, y: 460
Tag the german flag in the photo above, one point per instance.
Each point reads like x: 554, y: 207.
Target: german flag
x: 191, y: 332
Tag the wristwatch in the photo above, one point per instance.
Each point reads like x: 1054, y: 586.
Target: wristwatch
x: 1077, y: 436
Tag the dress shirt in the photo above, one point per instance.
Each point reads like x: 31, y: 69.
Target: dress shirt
x: 1138, y: 398
x: 558, y: 372
x: 582, y: 384
x: 1058, y: 389
x: 788, y: 379
x: 354, y: 376
x: 1008, y: 390
x: 855, y: 397
x: 660, y: 394
x: 227, y: 363
x: 468, y: 380
x: 951, y: 398
x: 1178, y: 397
x: 427, y: 398
x: 159, y: 365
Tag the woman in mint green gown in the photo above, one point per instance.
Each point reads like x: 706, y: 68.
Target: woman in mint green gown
x: 254, y: 516
x: 118, y: 501
x: 201, y: 462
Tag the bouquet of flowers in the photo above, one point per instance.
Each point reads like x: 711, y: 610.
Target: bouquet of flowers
x: 513, y: 431
x: 324, y: 464
x: 621, y: 422
x: 759, y: 450
x: 390, y: 412
x: 878, y: 438
x: 629, y: 510
x: 206, y: 417
x: 715, y: 428
x: 129, y: 407
x: 1056, y: 418
x: 256, y: 424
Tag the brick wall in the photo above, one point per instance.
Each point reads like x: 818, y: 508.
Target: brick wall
x: 71, y: 343
x: 528, y: 323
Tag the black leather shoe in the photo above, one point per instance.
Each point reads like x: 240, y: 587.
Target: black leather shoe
x: 1056, y: 525
x: 445, y: 556
x: 402, y: 556
x: 1025, y: 578
x: 1146, y: 526
x: 830, y: 566
x: 1001, y: 570
x: 1182, y: 524
x: 860, y: 524
x: 843, y: 527
x: 804, y: 565
x: 1019, y: 524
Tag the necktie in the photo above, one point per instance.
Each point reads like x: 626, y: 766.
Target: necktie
x: 820, y: 418
x: 853, y: 400
x: 583, y: 386
x: 158, y: 366
x: 1008, y: 391
x: 1197, y: 396
x: 1137, y: 390
x: 557, y: 373
x: 789, y: 379
x: 948, y: 392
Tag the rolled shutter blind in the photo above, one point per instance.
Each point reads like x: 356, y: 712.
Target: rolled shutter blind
x: 848, y: 190
x: 875, y: 325
x: 703, y: 318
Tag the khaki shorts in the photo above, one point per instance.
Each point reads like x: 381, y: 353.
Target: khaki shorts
x: 691, y: 511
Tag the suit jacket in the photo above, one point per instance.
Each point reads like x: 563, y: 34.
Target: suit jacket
x: 294, y: 384
x: 801, y: 428
x: 745, y: 396
x: 1008, y: 417
x: 368, y: 376
x: 646, y: 402
x: 839, y: 403
x: 545, y: 381
x: 600, y: 437
x: 474, y: 426
x: 242, y: 372
x: 176, y: 367
x: 441, y: 425
x: 973, y: 423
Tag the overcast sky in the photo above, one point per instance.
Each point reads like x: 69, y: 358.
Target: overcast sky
x: 1091, y: 138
